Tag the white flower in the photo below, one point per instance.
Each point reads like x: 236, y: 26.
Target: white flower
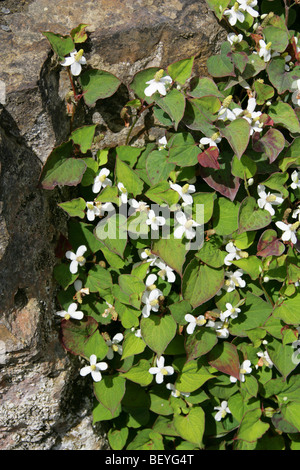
x: 123, y: 192
x: 184, y: 192
x: 234, y: 38
x: 226, y: 113
x: 101, y: 180
x: 234, y: 279
x: 175, y: 393
x: 94, y: 368
x: 161, y: 370
x: 155, y: 221
x: 211, y: 141
x: 267, y: 200
x: 289, y: 231
x: 295, y: 179
x: 97, y: 208
x: 185, y: 226
x: 77, y: 259
x: 223, y: 410
x: 162, y: 143
x: 234, y: 14
x: 296, y: 213
x: 247, y: 5
x: 151, y: 300
x: 72, y: 312
x: 251, y: 116
x: 264, y: 360
x: 230, y: 311
x: 138, y: 205
x: 296, y: 93
x: 75, y: 60
x: 165, y: 271
x: 244, y: 369
x: 233, y: 253
x: 221, y: 329
x: 265, y: 50
x: 193, y: 322
x: 158, y: 83
x: 113, y: 345
x: 147, y: 256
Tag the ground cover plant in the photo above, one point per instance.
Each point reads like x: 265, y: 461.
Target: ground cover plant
x: 180, y: 276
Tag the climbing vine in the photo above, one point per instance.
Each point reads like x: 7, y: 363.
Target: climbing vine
x: 179, y: 278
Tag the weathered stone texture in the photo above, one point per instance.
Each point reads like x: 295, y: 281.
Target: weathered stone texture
x: 44, y: 404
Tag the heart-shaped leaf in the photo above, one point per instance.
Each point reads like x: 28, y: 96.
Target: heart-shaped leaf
x: 251, y: 217
x: 269, y: 245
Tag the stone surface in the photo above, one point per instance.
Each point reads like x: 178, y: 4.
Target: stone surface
x: 44, y: 403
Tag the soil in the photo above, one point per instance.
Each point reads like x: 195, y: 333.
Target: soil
x: 8, y: 7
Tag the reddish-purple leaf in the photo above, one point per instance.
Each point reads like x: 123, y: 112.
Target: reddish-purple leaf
x: 209, y: 158
x: 74, y: 334
x: 271, y: 144
x: 224, y: 357
x: 269, y: 245
x: 221, y: 180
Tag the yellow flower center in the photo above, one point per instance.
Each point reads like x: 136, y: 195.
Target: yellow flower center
x: 102, y: 178
x: 153, y: 302
x: 93, y: 367
x: 227, y: 101
x: 164, y: 371
x: 185, y: 188
x: 271, y: 198
x: 215, y: 136
x: 79, y: 55
x: 80, y: 259
x: 189, y: 224
x: 200, y: 321
x: 67, y: 316
x: 158, y: 76
x: 115, y: 347
x: 268, y: 46
x: 295, y: 226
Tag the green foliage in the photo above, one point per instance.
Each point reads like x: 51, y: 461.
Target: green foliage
x: 196, y: 334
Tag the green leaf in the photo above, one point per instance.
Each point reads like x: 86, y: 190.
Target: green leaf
x: 172, y: 251
x: 99, y: 280
x: 282, y: 357
x: 244, y: 167
x: 173, y: 104
x: 74, y: 334
x: 291, y: 412
x: 75, y: 207
x: 207, y: 200
x: 181, y: 70
x: 183, y: 150
x: 124, y: 174
x: 161, y: 194
x: 158, y: 332
x: 224, y: 357
x: 112, y: 232
x: 79, y: 34
x: 159, y: 398
x: 191, y: 427
x: 225, y: 216
x: 220, y: 65
x: 60, y: 170
x: 63, y: 275
x: 252, y: 428
x: 255, y: 311
x: 211, y: 254
x: 204, y: 86
x: 201, y: 282
x: 218, y: 7
x: 289, y: 311
x: 117, y: 438
x: 100, y: 413
x: 276, y: 32
x: 237, y: 134
x: 128, y: 154
x: 251, y: 217
x: 279, y: 77
x: 147, y: 439
x: 98, y: 84
x: 200, y: 343
x: 110, y: 391
x: 284, y: 115
x: 263, y: 91
x: 191, y: 377
x: 158, y: 166
x: 139, y: 373
x: 251, y: 265
x: 61, y: 45
x: 83, y: 137
x: 132, y: 345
